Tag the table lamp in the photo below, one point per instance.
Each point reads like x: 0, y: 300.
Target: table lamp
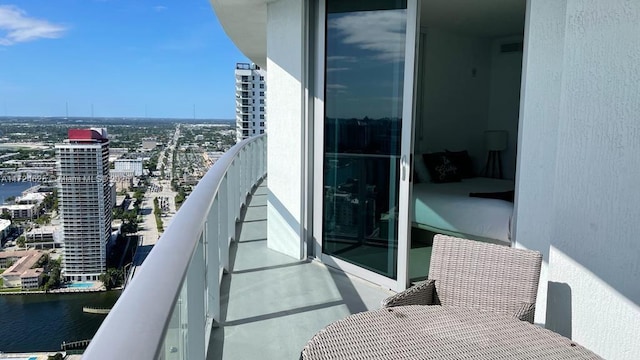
x: 496, y: 142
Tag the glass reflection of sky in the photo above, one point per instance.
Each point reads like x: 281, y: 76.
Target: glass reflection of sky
x: 365, y: 64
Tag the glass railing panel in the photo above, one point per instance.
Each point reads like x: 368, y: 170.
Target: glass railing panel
x: 174, y: 347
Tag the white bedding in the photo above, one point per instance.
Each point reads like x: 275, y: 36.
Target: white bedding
x: 448, y: 207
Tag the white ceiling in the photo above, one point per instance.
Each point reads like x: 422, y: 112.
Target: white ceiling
x: 484, y: 18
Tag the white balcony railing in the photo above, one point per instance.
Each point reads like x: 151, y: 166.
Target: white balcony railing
x: 168, y: 309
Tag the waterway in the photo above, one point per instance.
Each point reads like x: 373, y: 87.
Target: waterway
x: 43, y: 322
x: 15, y: 189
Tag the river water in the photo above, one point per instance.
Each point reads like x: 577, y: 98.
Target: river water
x: 15, y: 189
x: 43, y: 322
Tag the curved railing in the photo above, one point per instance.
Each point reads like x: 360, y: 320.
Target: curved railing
x: 168, y: 309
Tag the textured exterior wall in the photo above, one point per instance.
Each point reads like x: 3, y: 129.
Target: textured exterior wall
x: 285, y: 114
x: 539, y: 116
x: 591, y: 219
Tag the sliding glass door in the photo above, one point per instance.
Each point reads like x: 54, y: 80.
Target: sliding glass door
x: 368, y: 78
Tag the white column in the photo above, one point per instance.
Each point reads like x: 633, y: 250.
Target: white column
x: 285, y: 113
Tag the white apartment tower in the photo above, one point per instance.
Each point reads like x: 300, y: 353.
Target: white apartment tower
x: 250, y: 101
x: 84, y: 196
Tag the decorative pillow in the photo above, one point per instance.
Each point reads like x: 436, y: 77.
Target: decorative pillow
x: 441, y: 168
x: 421, y: 170
x: 462, y: 161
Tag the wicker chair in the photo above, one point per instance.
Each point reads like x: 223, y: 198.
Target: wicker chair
x: 482, y: 276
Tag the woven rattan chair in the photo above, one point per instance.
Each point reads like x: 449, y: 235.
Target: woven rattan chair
x: 482, y: 276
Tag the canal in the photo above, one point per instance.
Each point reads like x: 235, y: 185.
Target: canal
x: 43, y: 322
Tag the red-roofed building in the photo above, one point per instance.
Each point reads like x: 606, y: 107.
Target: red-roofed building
x: 84, y: 194
x: 88, y: 135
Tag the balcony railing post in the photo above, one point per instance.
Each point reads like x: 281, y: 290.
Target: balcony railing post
x: 196, y: 346
x: 213, y: 263
x: 223, y: 233
x: 263, y: 158
x: 243, y: 175
x: 231, y: 217
x: 252, y: 164
x: 232, y: 174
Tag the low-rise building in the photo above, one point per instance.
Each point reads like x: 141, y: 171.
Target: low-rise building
x: 8, y: 258
x: 19, y: 211
x: 132, y: 165
x: 13, y: 276
x: 43, y: 237
x: 5, y: 226
x: 123, y: 179
x: 31, y: 278
x: 31, y: 198
x: 149, y: 144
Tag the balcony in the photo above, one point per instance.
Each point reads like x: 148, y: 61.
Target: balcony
x: 212, y: 289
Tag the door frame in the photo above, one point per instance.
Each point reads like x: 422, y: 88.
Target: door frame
x: 406, y: 150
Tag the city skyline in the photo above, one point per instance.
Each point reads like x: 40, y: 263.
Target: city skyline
x: 155, y: 59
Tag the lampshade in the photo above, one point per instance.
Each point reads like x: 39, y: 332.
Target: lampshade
x: 496, y: 140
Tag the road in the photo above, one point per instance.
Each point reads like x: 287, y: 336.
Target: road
x: 148, y: 230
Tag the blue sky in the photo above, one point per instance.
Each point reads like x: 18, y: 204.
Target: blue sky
x: 125, y: 57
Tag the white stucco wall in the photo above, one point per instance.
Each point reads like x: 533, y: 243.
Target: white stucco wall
x: 539, y: 116
x: 584, y: 199
x: 285, y: 117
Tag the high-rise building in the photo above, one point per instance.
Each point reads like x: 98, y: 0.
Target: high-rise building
x: 84, y: 195
x: 250, y: 100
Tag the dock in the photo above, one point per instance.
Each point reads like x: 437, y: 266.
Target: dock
x: 92, y: 310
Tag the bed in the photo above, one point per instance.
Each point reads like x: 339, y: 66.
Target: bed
x: 447, y: 208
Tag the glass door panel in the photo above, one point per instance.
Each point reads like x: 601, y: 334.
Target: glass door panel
x: 364, y: 82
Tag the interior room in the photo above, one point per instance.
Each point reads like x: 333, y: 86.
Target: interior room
x: 466, y: 125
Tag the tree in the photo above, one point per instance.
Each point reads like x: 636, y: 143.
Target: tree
x: 57, y: 356
x: 43, y: 262
x: 43, y: 220
x: 112, y: 278
x: 118, y: 213
x: 20, y: 241
x: 50, y: 202
x: 54, y: 275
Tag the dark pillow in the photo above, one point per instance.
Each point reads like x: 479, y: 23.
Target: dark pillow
x: 462, y: 161
x: 441, y: 168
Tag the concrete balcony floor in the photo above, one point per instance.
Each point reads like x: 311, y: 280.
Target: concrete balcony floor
x: 273, y: 304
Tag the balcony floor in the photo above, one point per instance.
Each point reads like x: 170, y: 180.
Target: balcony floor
x: 273, y: 304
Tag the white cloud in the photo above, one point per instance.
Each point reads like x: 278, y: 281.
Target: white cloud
x: 341, y: 58
x: 16, y: 27
x: 160, y: 8
x: 337, y: 88
x: 381, y: 32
